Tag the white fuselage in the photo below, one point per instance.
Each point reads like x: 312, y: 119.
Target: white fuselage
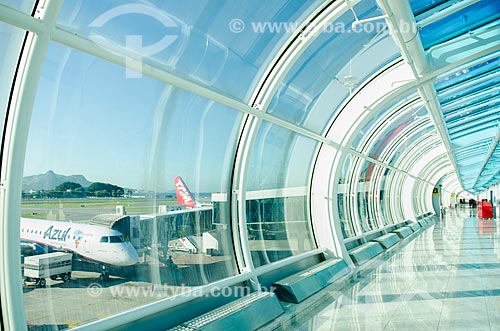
x: 96, y: 243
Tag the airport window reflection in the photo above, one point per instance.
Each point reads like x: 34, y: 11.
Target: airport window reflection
x: 401, y: 178
x: 388, y: 196
x: 383, y: 199
x: 362, y: 186
x: 346, y: 224
x: 277, y: 227
x: 120, y: 176
x: 184, y: 40
x: 277, y: 213
x: 416, y: 202
x: 301, y: 98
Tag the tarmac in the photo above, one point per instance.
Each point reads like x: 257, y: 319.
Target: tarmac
x: 84, y: 299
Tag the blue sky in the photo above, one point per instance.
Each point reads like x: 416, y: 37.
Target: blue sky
x: 90, y: 119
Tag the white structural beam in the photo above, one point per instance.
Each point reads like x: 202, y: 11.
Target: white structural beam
x: 488, y: 157
x: 405, y: 31
x: 21, y: 20
x: 15, y: 140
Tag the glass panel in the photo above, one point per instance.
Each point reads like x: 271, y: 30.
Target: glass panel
x: 407, y: 143
x: 384, y: 201
x: 475, y: 120
x: 458, y: 23
x: 419, y: 204
x: 396, y: 125
x: 11, y: 40
x: 490, y: 175
x: 26, y: 6
x: 385, y: 197
x: 471, y: 101
x: 397, y: 205
x: 458, y: 91
x: 473, y: 134
x: 379, y: 121
x: 370, y: 126
x: 333, y: 65
x: 362, y: 204
x: 221, y: 44
x: 485, y: 107
x: 277, y: 209
x: 279, y: 158
x: 467, y: 74
x: 420, y: 6
x: 374, y: 193
x: 105, y: 158
x: 343, y: 197
x: 363, y: 195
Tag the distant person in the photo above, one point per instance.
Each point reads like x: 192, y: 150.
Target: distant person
x: 170, y: 263
x: 471, y: 203
x: 172, y: 271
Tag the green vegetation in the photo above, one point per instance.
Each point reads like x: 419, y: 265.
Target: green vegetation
x: 68, y: 186
x: 75, y: 190
x: 70, y: 190
x: 102, y: 190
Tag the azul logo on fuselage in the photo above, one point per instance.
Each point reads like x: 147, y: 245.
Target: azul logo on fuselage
x: 56, y: 234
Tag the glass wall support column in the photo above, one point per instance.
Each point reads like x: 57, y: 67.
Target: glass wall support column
x: 13, y: 152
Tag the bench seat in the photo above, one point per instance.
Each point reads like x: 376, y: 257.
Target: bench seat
x: 403, y: 232
x: 387, y: 240
x: 366, y: 252
x: 299, y: 286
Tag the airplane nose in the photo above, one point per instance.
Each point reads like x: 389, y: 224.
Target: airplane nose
x: 131, y: 256
x: 126, y: 256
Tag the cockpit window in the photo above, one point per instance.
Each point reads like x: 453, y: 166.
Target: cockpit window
x: 104, y: 239
x: 116, y: 239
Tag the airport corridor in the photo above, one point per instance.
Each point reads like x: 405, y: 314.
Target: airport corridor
x: 448, y: 278
x: 249, y: 165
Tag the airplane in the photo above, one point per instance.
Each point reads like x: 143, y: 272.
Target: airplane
x: 184, y: 196
x: 98, y: 244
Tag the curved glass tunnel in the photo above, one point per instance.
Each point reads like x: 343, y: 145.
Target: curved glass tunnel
x: 166, y: 161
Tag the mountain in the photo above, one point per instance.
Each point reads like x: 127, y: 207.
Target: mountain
x: 49, y: 180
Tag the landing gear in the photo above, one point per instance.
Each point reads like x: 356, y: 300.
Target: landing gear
x: 65, y: 277
x: 104, y: 277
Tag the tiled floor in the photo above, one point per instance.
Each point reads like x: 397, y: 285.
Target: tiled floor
x: 448, y: 278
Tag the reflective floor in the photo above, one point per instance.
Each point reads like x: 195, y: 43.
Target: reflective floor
x: 448, y: 278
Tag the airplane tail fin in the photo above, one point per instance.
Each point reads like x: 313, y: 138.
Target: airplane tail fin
x: 184, y: 196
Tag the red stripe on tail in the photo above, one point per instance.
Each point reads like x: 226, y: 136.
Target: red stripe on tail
x: 184, y: 197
